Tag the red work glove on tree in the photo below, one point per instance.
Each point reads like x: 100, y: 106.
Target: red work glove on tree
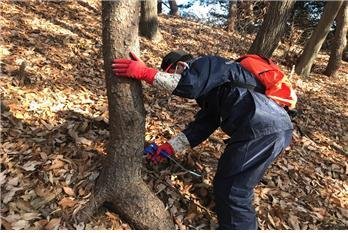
x: 134, y: 68
x: 166, y: 148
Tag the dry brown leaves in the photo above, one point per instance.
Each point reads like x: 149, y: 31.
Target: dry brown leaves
x: 54, y: 128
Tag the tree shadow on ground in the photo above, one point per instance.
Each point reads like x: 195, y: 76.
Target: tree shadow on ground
x: 76, y: 51
x: 77, y: 145
x: 63, y: 9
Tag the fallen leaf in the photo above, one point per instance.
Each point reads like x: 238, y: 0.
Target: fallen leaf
x: 319, y: 212
x: 3, y: 177
x: 12, y: 218
x: 13, y: 181
x: 57, y: 163
x: 84, y: 141
x: 294, y: 223
x: 67, y: 202
x: 69, y: 191
x: 344, y: 212
x: 7, y: 197
x: 39, y: 225
x: 30, y: 165
x: 271, y: 220
x: 6, y: 224
x: 53, y: 224
x: 20, y: 224
x: 41, y: 191
x: 24, y: 205
x: 30, y: 216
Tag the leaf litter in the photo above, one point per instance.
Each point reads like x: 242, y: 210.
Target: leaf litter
x: 55, y: 127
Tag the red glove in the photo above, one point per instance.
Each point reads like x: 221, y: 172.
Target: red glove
x: 166, y: 148
x: 134, y: 68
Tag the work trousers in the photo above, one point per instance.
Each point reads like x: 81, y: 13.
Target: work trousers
x: 240, y: 168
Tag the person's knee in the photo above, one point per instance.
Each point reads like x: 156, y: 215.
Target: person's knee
x: 241, y: 198
x: 231, y: 194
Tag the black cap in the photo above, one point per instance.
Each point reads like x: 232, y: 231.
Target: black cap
x: 173, y: 57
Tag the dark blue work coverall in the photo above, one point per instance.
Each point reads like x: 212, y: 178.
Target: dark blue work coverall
x: 258, y: 128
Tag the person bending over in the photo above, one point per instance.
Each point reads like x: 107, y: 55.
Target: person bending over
x: 258, y: 128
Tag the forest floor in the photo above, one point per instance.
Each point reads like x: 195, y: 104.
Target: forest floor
x: 54, y: 127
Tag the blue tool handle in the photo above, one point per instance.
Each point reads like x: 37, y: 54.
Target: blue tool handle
x: 151, y: 149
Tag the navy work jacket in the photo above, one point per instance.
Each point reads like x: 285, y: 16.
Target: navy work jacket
x: 242, y: 113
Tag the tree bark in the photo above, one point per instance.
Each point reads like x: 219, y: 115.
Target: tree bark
x: 148, y: 25
x: 345, y: 52
x: 120, y: 182
x: 317, y: 38
x: 272, y: 28
x: 340, y: 41
x: 232, y: 16
x: 159, y: 7
x: 174, y: 10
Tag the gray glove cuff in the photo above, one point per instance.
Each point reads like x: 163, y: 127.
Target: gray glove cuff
x: 179, y: 142
x: 166, y: 81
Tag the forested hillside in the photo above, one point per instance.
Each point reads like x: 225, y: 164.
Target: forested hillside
x: 54, y: 126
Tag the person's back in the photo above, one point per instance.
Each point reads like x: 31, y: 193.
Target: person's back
x: 226, y: 89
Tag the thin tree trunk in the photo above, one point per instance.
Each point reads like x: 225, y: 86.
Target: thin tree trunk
x: 340, y: 41
x: 272, y: 28
x: 232, y: 16
x: 317, y: 39
x: 120, y: 182
x: 148, y: 25
x: 173, y: 7
x: 345, y: 52
x: 159, y: 7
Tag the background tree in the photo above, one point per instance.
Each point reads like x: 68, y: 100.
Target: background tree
x: 345, y: 52
x: 272, y: 28
x: 232, y: 16
x: 120, y: 182
x: 159, y: 7
x: 148, y: 25
x: 174, y: 10
x: 340, y: 41
x: 317, y: 38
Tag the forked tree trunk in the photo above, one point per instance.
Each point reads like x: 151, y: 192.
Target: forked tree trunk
x: 120, y: 182
x: 148, y: 25
x: 232, y: 16
x: 340, y: 41
x: 272, y: 28
x: 317, y: 38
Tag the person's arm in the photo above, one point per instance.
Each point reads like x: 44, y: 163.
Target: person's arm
x: 166, y: 81
x: 202, y: 127
x: 135, y: 68
x: 197, y: 131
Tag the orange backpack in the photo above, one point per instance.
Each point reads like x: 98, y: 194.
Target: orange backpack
x: 277, y: 86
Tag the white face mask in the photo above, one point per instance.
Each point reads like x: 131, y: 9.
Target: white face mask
x: 179, y: 68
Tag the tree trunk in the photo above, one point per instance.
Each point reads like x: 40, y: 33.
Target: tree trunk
x: 159, y: 7
x: 148, y: 25
x: 173, y: 7
x: 317, y: 39
x: 120, y: 182
x: 232, y: 16
x: 345, y: 52
x: 272, y: 28
x: 340, y: 41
